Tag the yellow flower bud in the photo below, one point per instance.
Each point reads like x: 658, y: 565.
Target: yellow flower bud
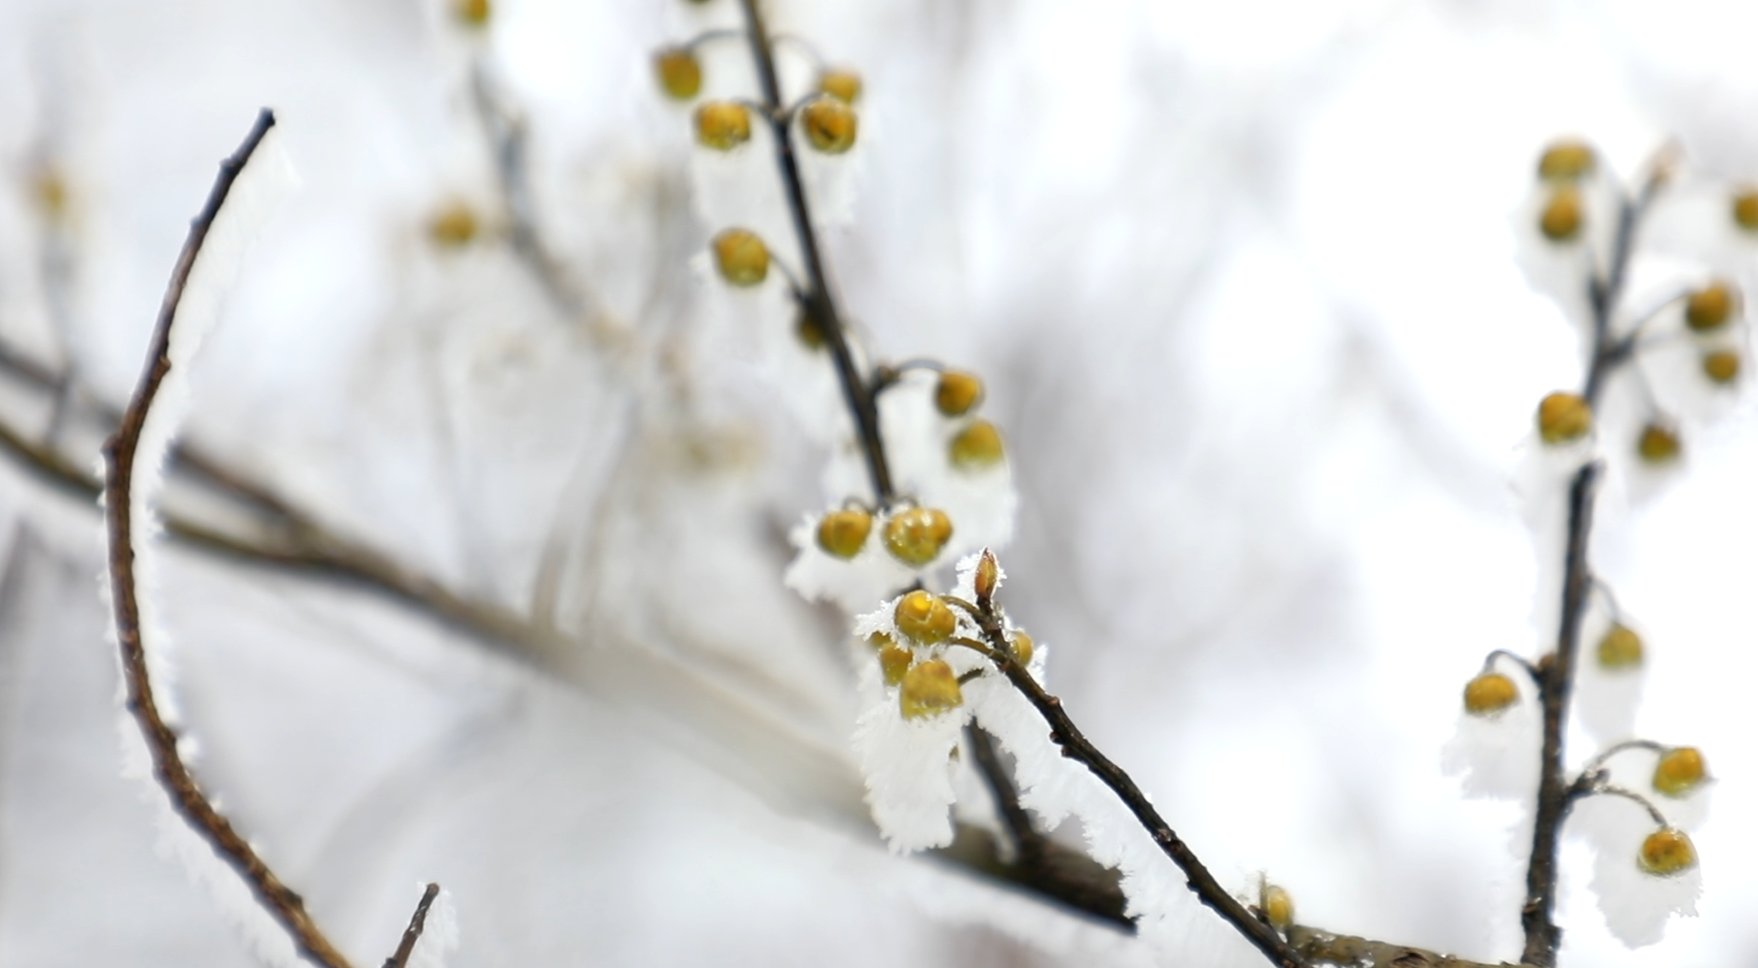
x: 1566, y: 160
x: 840, y: 83
x: 929, y: 689
x: 879, y: 640
x: 741, y: 257
x: 830, y: 124
x: 1620, y: 648
x: 924, y: 618
x: 472, y: 13
x: 1022, y: 647
x: 1679, y: 771
x: 1667, y: 852
x: 843, y: 533
x: 1562, y: 216
x: 1658, y: 444
x: 806, y: 328
x: 453, y: 226
x: 916, y: 535
x: 722, y: 125
x: 987, y: 574
x: 976, y: 447
x: 1490, y: 693
x: 49, y: 192
x: 1744, y: 208
x: 1563, y: 417
x: 1721, y: 366
x: 957, y: 392
x: 1278, y: 907
x: 893, y: 663
x: 679, y: 73
x: 1708, y: 309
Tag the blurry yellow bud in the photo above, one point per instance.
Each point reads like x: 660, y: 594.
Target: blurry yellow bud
x: 472, y: 13
x: 741, y: 257
x: 1278, y: 907
x: 453, y: 226
x: 1708, y: 309
x: 987, y: 574
x: 830, y: 124
x: 840, y: 83
x: 1744, y: 209
x: 1563, y: 417
x: 1620, y: 648
x: 976, y: 446
x: 1666, y: 852
x: 1679, y: 771
x: 879, y: 640
x: 1561, y: 219
x: 1658, y: 444
x: 1022, y: 647
x: 49, y: 191
x: 924, y: 618
x: 916, y: 535
x: 957, y: 392
x: 893, y: 663
x: 929, y: 689
x: 1721, y: 366
x: 679, y: 73
x: 1566, y: 160
x: 722, y: 125
x: 843, y: 533
x: 806, y: 328
x: 1489, y: 693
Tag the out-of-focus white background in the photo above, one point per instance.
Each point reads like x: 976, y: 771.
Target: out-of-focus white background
x: 1242, y: 278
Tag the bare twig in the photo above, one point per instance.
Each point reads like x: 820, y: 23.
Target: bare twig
x: 1607, y: 352
x: 412, y: 934
x: 1345, y: 951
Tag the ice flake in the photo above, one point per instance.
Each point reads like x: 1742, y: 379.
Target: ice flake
x: 909, y: 768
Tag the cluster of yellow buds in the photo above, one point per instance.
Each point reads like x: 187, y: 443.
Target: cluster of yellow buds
x: 1562, y: 168
x: 977, y: 445
x: 914, y: 536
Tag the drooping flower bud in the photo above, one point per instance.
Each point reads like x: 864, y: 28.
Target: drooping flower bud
x: 929, y: 689
x: 1667, y: 852
x: 1721, y: 366
x: 1744, y: 209
x: 1679, y: 771
x: 840, y: 83
x: 1022, y: 646
x: 679, y: 73
x: 830, y: 124
x: 1563, y: 418
x: 1566, y: 160
x: 722, y: 125
x: 957, y: 393
x: 1620, y: 648
x: 1277, y: 905
x: 915, y: 536
x: 1561, y: 219
x: 741, y: 257
x: 1490, y: 693
x: 843, y: 533
x: 976, y: 447
x: 1709, y: 309
x: 924, y: 617
x: 894, y: 662
x: 1658, y: 444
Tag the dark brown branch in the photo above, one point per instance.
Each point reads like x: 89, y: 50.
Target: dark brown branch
x: 186, y: 795
x: 1345, y: 951
x: 1543, y: 937
x: 412, y: 934
x: 1065, y: 734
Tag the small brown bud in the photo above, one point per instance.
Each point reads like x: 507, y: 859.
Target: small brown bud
x: 1721, y: 366
x: 1490, y: 693
x: 722, y: 125
x: 924, y: 617
x: 929, y: 689
x: 987, y: 574
x: 830, y: 124
x: 1563, y: 214
x: 807, y: 330
x: 1744, y: 209
x: 1709, y: 309
x: 472, y: 13
x: 915, y: 536
x: 957, y: 393
x: 1620, y: 648
x: 1658, y: 444
x: 1563, y: 418
x: 840, y: 83
x: 843, y: 533
x: 741, y: 257
x: 1566, y: 160
x: 50, y: 193
x: 453, y: 226
x: 1667, y: 852
x: 1680, y: 771
x: 679, y: 72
